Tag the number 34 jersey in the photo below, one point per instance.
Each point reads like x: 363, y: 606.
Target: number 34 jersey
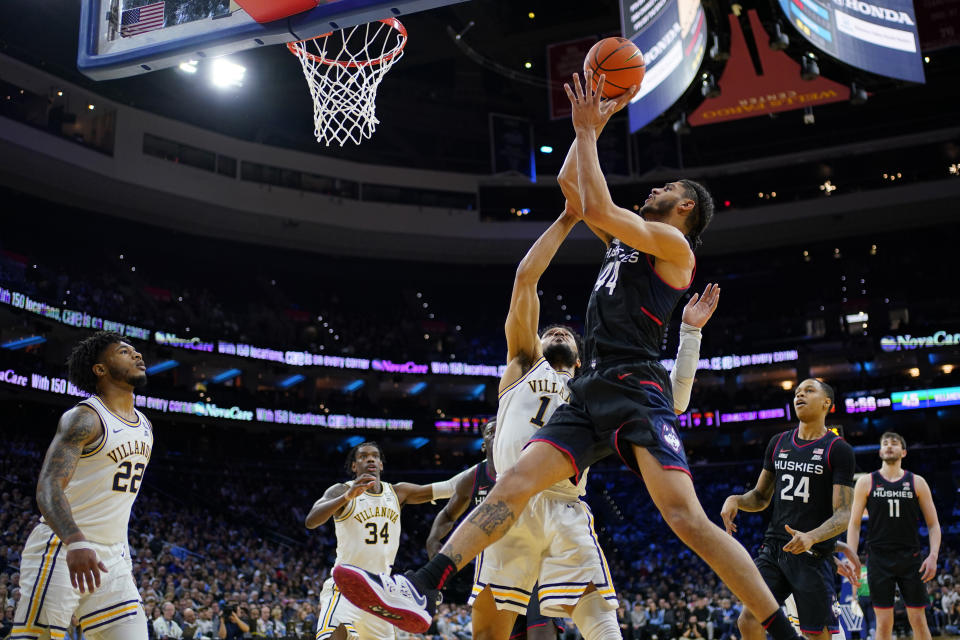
x: 524, y: 407
x: 368, y: 531
x: 108, y: 475
x: 805, y: 472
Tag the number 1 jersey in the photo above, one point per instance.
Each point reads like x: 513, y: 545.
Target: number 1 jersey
x: 804, y: 474
x: 368, y: 532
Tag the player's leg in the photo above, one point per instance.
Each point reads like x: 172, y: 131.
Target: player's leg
x: 812, y: 581
x: 131, y: 628
x: 673, y: 493
x: 883, y: 588
x: 593, y: 616
x: 47, y: 599
x: 884, y: 622
x: 489, y: 622
x: 918, y: 622
x: 914, y: 592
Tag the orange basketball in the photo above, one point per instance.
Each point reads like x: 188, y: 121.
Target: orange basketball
x: 620, y: 61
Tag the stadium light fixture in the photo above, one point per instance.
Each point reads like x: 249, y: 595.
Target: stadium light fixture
x: 291, y: 381
x: 223, y: 376
x: 160, y: 367
x: 809, y: 69
x: 778, y: 39
x: 546, y: 149
x: 353, y: 386
x: 225, y: 74
x: 190, y: 66
x: 22, y: 343
x: 417, y: 388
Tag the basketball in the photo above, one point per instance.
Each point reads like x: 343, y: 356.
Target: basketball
x: 620, y: 61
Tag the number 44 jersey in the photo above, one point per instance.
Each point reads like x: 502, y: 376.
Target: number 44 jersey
x: 368, y: 531
x: 524, y: 407
x: 108, y: 475
x: 805, y: 472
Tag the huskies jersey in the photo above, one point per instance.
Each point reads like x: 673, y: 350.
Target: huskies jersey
x: 368, y: 532
x: 805, y: 472
x: 894, y: 509
x: 108, y: 475
x: 482, y: 483
x: 525, y: 406
x: 628, y: 308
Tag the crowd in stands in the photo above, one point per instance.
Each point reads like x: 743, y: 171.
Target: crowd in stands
x: 214, y: 529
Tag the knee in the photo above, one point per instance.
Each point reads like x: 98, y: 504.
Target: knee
x: 745, y: 619
x: 687, y: 521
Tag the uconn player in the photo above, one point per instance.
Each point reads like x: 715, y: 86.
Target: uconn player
x: 76, y: 560
x: 894, y: 500
x: 366, y: 516
x: 622, y: 405
x: 808, y: 475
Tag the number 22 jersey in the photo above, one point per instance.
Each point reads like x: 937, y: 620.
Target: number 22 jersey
x: 805, y: 472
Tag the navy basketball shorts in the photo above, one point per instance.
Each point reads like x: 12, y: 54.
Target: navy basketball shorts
x: 612, y: 408
x: 886, y: 571
x: 808, y: 577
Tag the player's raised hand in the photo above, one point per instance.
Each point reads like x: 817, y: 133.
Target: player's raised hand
x: 800, y: 543
x: 728, y: 513
x: 360, y: 485
x: 700, y: 307
x: 85, y: 568
x: 928, y: 569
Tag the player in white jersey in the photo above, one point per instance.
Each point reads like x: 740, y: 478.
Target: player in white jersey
x: 76, y: 561
x: 366, y: 516
x: 553, y: 540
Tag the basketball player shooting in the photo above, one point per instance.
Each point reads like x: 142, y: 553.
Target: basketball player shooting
x: 618, y: 406
x: 808, y: 475
x: 366, y: 516
x: 76, y: 561
x: 894, y: 499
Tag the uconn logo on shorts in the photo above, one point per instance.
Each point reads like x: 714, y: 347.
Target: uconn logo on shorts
x: 670, y: 437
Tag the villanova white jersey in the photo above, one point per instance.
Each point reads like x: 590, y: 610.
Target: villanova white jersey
x: 525, y: 406
x: 108, y: 475
x: 368, y: 532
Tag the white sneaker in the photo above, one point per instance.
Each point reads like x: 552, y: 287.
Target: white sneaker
x: 391, y: 597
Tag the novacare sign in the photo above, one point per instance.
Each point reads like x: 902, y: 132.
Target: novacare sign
x: 909, y: 342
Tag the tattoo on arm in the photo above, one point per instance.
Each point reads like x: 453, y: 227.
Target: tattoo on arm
x: 77, y: 428
x: 838, y: 522
x: 758, y: 498
x: 489, y: 517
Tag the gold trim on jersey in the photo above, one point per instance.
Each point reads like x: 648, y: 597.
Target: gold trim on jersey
x: 118, y: 417
x: 39, y: 589
x: 394, y: 492
x: 521, y: 378
x: 353, y: 505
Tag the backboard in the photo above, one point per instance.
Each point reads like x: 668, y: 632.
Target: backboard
x: 120, y: 38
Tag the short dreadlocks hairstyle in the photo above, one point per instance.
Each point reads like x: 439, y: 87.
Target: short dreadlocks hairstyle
x: 86, y: 354
x: 702, y: 212
x: 352, y: 456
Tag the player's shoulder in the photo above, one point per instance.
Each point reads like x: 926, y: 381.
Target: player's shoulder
x: 838, y: 444
x: 781, y: 436
x: 80, y: 419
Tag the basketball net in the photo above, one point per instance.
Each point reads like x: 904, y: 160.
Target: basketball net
x: 344, y: 69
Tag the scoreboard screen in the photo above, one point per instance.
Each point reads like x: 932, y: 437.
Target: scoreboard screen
x: 672, y: 36
x: 879, y: 36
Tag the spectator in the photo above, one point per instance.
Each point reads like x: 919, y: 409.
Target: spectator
x: 232, y: 624
x: 164, y: 627
x: 638, y: 621
x: 725, y: 620
x: 693, y: 630
x: 189, y: 625
x: 206, y: 628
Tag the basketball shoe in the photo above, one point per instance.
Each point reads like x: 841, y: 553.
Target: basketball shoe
x: 395, y: 598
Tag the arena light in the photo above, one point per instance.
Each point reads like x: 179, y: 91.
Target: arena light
x: 353, y: 386
x: 546, y: 149
x: 417, y: 388
x: 23, y: 343
x: 477, y: 392
x: 778, y: 39
x: 160, y: 367
x: 292, y: 380
x: 223, y: 376
x: 188, y: 67
x: 809, y: 69
x: 225, y: 74
x: 418, y: 442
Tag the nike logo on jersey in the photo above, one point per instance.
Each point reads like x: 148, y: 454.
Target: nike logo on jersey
x: 118, y: 430
x: 621, y: 376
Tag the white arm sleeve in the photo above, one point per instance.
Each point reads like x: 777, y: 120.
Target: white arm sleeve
x: 445, y: 489
x: 684, y: 370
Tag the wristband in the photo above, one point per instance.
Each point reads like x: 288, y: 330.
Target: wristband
x: 80, y: 544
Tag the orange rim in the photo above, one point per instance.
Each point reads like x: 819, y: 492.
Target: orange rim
x: 387, y: 57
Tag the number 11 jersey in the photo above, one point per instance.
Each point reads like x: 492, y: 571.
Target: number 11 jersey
x: 368, y: 532
x: 805, y: 472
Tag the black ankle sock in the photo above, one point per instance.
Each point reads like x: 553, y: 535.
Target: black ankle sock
x: 779, y: 627
x: 435, y: 573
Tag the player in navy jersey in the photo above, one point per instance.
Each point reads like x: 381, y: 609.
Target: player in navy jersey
x: 894, y: 500
x: 621, y: 404
x: 808, y: 476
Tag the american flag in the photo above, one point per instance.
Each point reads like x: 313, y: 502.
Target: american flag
x: 141, y: 19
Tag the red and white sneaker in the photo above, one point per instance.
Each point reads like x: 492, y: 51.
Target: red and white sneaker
x: 392, y: 597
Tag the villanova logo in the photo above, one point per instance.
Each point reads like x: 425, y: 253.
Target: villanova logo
x: 671, y: 438
x: 852, y: 616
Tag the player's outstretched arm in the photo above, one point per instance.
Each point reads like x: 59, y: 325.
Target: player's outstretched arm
x: 451, y: 512
x: 929, y: 567
x: 523, y: 318
x: 696, y: 313
x: 409, y: 493
x: 335, y: 499
x: 861, y: 491
x: 77, y: 429
x: 756, y: 499
x: 658, y: 239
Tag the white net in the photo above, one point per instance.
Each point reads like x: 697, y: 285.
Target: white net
x: 344, y: 69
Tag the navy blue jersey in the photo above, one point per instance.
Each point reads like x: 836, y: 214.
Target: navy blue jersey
x: 629, y: 308
x: 893, y: 509
x: 482, y: 483
x: 805, y: 472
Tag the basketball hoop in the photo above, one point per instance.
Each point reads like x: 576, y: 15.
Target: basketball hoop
x: 343, y: 69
